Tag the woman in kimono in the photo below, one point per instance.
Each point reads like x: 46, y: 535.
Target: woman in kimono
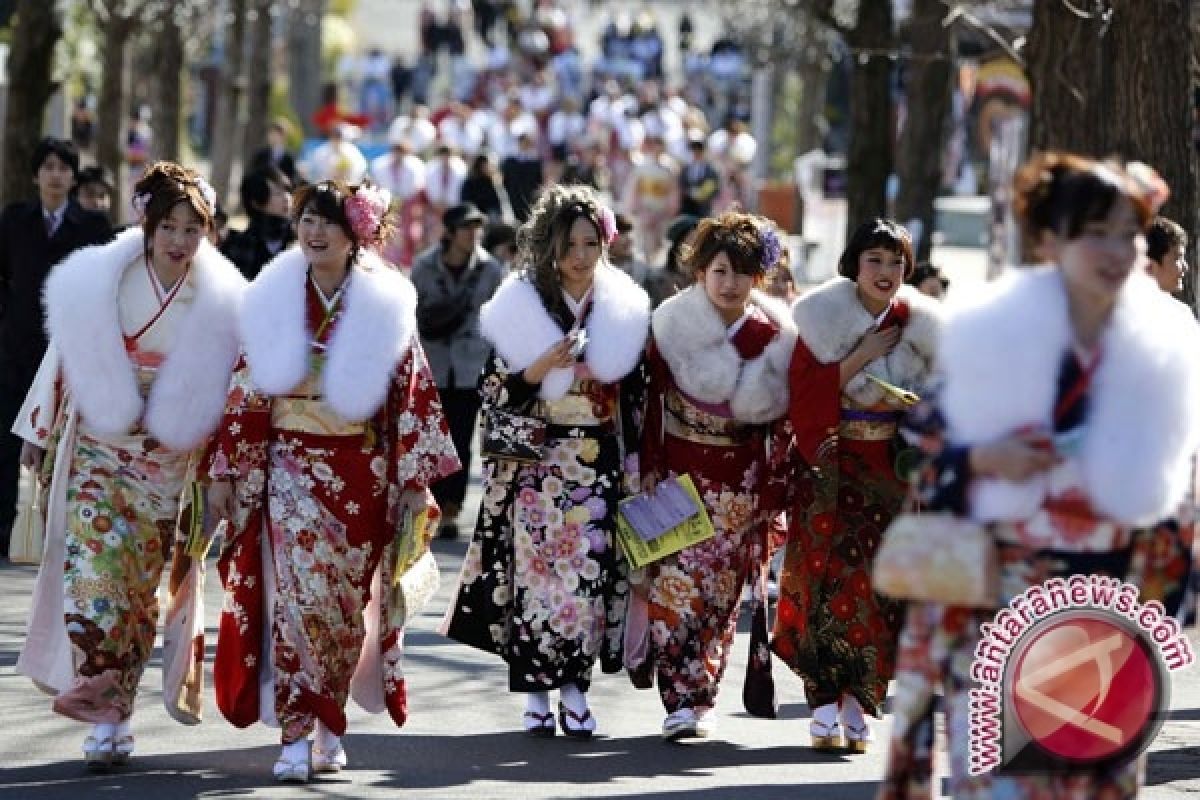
x: 718, y: 378
x: 1044, y: 450
x: 865, y: 339
x: 543, y: 584
x: 143, y: 338
x: 332, y: 434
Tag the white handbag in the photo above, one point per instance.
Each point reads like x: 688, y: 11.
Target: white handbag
x: 29, y: 528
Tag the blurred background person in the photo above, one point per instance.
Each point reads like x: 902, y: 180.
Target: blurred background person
x: 266, y: 197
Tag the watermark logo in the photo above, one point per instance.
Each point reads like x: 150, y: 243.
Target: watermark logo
x: 1073, y: 674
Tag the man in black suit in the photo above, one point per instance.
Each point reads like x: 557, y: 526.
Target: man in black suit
x: 34, y: 236
x: 275, y: 153
x: 523, y: 176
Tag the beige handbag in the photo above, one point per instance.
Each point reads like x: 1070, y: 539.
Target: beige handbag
x: 29, y: 528
x: 938, y: 558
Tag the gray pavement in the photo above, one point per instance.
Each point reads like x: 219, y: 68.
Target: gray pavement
x: 462, y: 740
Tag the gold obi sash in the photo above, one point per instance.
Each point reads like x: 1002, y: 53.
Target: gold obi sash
x: 863, y: 425
x: 685, y: 420
x: 575, y: 408
x: 305, y: 411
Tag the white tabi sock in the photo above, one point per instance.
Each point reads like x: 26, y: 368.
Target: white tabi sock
x: 575, y: 700
x: 852, y: 712
x: 104, y: 730
x: 296, y: 752
x: 537, y: 703
x: 827, y: 714
x: 326, y: 740
x: 124, y: 728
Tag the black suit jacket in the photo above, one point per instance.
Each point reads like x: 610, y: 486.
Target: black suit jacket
x: 286, y: 163
x: 26, y: 256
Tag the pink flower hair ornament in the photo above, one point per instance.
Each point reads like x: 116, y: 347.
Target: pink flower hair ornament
x: 608, y: 224
x: 1148, y: 184
x: 365, y: 211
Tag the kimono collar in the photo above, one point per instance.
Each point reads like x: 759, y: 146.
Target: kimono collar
x: 518, y: 325
x: 373, y: 333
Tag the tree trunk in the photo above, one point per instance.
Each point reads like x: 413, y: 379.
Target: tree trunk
x: 110, y: 107
x: 167, y: 111
x: 814, y: 78
x: 37, y: 29
x: 304, y: 60
x: 258, y: 71
x: 869, y: 160
x: 1118, y: 95
x: 924, y: 134
x: 228, y: 114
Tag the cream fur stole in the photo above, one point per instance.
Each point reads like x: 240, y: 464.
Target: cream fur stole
x: 831, y: 322
x: 704, y: 363
x: 1001, y: 356
x: 519, y: 327
x: 373, y: 333
x: 188, y: 395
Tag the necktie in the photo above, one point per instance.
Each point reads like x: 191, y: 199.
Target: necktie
x: 50, y: 226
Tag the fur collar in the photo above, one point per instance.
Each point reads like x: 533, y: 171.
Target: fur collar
x: 1001, y: 357
x: 519, y: 327
x: 373, y: 333
x: 692, y: 339
x: 188, y: 395
x: 831, y: 322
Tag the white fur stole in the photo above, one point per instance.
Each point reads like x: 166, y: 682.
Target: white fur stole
x: 373, y: 332
x: 521, y: 330
x: 189, y: 391
x: 1001, y: 356
x: 693, y: 341
x: 831, y: 321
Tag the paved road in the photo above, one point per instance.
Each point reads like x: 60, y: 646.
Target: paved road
x: 462, y: 739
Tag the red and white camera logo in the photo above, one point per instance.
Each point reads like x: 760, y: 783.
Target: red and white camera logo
x: 1073, y: 674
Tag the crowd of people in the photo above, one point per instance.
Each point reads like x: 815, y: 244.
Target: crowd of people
x: 320, y: 403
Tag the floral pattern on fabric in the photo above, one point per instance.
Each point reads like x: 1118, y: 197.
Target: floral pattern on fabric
x: 544, y: 584
x: 330, y: 504
x: 123, y: 499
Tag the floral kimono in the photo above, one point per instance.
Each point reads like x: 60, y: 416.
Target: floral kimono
x: 1081, y: 517
x: 332, y: 433
x: 831, y: 627
x: 132, y: 383
x: 544, y: 584
x: 716, y: 409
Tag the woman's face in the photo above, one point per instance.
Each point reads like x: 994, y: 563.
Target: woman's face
x: 880, y: 273
x: 727, y: 289
x: 323, y: 242
x: 577, y: 265
x: 1097, y: 262
x: 176, y: 238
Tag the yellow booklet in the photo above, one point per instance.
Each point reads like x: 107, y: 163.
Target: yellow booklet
x: 642, y: 550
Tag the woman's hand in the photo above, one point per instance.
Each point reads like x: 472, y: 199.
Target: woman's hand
x: 650, y: 482
x: 1017, y: 458
x: 219, y: 497
x: 877, y: 344
x: 31, y: 456
x: 557, y: 357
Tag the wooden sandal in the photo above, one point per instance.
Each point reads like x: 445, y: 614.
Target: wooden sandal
x: 579, y: 719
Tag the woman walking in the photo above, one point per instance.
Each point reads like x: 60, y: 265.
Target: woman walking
x: 865, y: 339
x: 1066, y: 422
x: 718, y: 380
x: 332, y: 434
x: 143, y: 338
x: 543, y: 583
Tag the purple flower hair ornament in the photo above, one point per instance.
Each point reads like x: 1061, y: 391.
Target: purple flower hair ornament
x: 772, y: 249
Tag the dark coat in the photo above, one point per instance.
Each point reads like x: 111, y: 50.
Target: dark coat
x: 523, y: 177
x: 26, y: 256
x: 697, y: 189
x: 248, y: 249
x: 286, y: 163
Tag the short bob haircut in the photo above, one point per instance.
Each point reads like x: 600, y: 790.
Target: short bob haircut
x: 882, y: 233
x: 1061, y: 192
x: 327, y: 199
x: 52, y: 146
x: 736, y: 234
x: 1161, y: 236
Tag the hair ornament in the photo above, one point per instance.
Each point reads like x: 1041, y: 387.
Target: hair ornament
x: 772, y: 249
x: 1149, y: 184
x: 365, y: 210
x: 608, y: 224
x: 139, y: 203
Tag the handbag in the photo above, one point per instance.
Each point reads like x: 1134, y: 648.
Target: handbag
x: 512, y: 436
x: 28, y: 530
x: 938, y: 558
x: 415, y: 574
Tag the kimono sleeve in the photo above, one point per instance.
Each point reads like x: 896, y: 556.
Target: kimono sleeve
x: 423, y: 448
x: 631, y: 406
x: 238, y: 449
x: 653, y: 451
x: 35, y: 421
x: 815, y: 404
x: 501, y: 388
